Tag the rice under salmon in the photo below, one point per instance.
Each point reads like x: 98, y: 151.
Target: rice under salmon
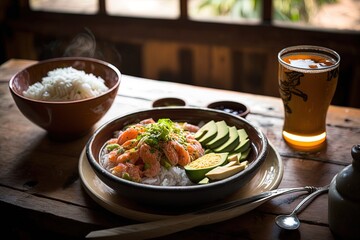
x: 152, y: 152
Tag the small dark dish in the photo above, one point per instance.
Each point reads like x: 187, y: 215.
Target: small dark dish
x: 232, y: 107
x: 65, y: 120
x: 168, y: 102
x: 177, y: 196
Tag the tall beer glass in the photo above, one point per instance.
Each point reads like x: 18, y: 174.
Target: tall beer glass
x: 307, y: 79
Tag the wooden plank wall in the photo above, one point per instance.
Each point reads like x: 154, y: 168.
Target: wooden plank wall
x: 226, y: 56
x: 212, y: 66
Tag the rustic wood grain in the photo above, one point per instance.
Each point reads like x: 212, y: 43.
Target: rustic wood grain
x: 39, y: 177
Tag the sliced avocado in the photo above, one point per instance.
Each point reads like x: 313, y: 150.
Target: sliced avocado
x: 231, y: 143
x: 242, y: 147
x: 239, y: 157
x: 222, y: 172
x: 229, y: 164
x: 244, y: 142
x: 245, y: 154
x: 208, y: 150
x: 235, y: 157
x: 221, y: 137
x: 207, y: 132
x: 204, y: 181
x: 242, y: 134
x: 197, y: 169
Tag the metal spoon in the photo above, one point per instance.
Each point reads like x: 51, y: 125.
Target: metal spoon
x: 291, y: 221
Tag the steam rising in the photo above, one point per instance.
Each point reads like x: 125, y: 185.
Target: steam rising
x: 83, y: 45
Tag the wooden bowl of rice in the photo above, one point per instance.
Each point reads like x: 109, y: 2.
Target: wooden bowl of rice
x: 177, y: 196
x: 66, y: 96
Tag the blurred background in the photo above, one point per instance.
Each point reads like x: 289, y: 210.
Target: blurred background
x: 226, y: 44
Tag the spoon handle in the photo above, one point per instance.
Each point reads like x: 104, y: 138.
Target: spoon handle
x: 309, y: 198
x: 186, y: 221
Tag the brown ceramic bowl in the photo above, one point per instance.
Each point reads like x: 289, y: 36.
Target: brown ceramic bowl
x: 169, y: 102
x: 232, y: 107
x: 177, y: 196
x: 66, y: 119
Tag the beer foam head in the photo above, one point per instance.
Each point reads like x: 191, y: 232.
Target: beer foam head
x: 310, y: 63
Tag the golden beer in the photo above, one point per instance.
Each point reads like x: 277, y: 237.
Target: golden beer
x: 307, y: 78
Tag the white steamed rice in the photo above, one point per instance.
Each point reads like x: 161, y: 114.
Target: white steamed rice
x: 64, y: 84
x: 174, y: 176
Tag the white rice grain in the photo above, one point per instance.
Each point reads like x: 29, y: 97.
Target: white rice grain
x: 64, y: 84
x: 174, y: 176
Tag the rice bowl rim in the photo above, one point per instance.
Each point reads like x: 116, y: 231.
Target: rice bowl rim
x: 253, y: 166
x: 84, y: 59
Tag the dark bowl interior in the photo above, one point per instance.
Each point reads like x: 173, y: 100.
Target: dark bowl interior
x: 68, y: 119
x: 232, y: 107
x: 169, y: 102
x: 177, y: 195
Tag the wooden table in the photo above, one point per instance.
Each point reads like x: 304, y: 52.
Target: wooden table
x: 41, y: 193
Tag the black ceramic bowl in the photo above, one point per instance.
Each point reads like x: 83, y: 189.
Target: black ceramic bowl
x: 169, y: 102
x: 232, y: 107
x: 177, y: 196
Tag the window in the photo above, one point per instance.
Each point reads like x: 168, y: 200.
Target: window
x: 144, y: 8
x: 330, y: 14
x: 226, y: 10
x: 65, y: 6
